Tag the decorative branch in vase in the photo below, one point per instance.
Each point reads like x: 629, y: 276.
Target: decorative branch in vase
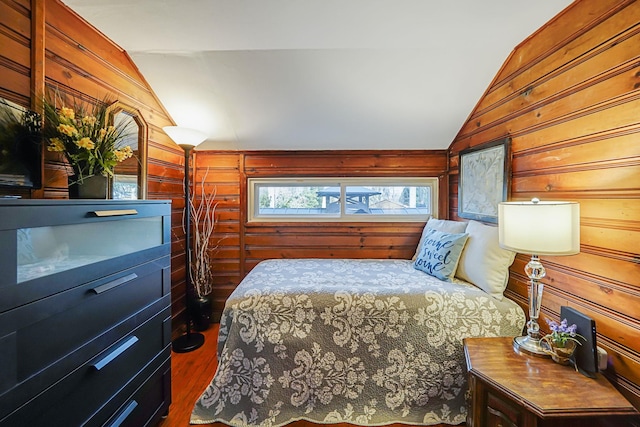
x: 201, y: 253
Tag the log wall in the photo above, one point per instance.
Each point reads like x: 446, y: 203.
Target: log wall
x: 43, y: 44
x: 569, y: 99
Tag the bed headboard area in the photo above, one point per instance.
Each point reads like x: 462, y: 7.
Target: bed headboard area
x: 477, y: 257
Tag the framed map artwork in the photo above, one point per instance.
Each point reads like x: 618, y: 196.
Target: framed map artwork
x: 484, y: 180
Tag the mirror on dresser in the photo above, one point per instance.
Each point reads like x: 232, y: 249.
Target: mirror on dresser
x: 130, y: 176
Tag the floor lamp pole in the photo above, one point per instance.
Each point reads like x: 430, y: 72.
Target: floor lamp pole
x: 190, y: 340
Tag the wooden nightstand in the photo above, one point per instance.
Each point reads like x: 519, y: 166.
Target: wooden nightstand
x: 517, y: 390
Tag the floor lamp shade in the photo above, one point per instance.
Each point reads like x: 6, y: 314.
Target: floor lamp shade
x: 187, y: 139
x: 538, y: 228
x: 185, y: 136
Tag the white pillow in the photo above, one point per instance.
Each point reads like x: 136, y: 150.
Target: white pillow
x: 444, y: 225
x: 483, y: 262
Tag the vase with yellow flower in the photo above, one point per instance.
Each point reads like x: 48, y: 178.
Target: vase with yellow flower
x: 92, y: 146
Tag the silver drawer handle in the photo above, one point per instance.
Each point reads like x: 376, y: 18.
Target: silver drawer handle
x: 124, y: 414
x: 115, y: 212
x: 110, y: 285
x: 115, y: 353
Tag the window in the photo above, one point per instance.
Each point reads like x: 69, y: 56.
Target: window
x: 343, y: 199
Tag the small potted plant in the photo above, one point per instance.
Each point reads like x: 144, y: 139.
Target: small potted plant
x: 562, y: 341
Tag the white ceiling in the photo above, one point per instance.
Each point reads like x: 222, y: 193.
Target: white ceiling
x: 319, y: 74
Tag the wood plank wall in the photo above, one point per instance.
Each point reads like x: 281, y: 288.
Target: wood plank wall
x: 569, y: 98
x: 81, y: 61
x: 241, y: 245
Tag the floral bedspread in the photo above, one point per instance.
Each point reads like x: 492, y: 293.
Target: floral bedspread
x: 367, y: 342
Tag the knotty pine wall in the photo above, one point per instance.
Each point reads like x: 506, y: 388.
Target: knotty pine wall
x: 43, y: 43
x: 241, y: 245
x: 569, y: 98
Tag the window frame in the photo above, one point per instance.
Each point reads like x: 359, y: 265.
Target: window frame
x: 342, y: 182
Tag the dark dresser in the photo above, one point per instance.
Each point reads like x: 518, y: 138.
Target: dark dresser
x: 85, y: 312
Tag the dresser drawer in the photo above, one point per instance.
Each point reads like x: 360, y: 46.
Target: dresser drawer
x: 47, y: 330
x: 147, y: 404
x: 85, y: 311
x: 63, y: 245
x: 80, y: 395
x: 65, y: 322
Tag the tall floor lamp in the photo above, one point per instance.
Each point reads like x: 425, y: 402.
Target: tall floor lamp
x: 187, y: 139
x: 538, y: 228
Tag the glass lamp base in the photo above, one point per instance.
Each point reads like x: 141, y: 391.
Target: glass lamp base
x: 529, y: 345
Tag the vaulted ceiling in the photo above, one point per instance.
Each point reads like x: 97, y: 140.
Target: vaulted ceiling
x: 319, y: 74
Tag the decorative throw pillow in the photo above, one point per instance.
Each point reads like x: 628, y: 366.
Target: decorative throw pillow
x: 483, y: 262
x: 443, y: 225
x: 439, y: 254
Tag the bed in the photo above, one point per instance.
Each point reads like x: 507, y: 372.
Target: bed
x: 362, y: 341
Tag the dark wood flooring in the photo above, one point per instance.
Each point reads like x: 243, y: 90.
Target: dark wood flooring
x: 191, y: 373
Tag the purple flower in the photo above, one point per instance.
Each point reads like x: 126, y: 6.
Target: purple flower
x: 562, y: 332
x: 563, y: 325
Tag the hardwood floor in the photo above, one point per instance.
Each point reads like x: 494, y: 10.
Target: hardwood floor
x: 190, y: 374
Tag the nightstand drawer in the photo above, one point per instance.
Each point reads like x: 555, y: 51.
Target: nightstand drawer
x: 500, y: 412
x: 76, y: 398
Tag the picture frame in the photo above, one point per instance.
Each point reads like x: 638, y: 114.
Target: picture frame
x: 484, y: 180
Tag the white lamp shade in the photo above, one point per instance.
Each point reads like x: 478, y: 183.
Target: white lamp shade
x: 539, y: 228
x: 185, y: 136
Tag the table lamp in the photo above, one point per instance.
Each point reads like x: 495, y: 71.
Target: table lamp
x: 538, y: 228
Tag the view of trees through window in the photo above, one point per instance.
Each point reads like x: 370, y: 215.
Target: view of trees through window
x: 289, y: 197
x: 360, y: 199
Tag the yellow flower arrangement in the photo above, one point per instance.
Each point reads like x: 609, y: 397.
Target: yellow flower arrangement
x: 87, y: 140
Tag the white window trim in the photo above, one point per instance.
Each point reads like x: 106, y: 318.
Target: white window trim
x: 253, y: 202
